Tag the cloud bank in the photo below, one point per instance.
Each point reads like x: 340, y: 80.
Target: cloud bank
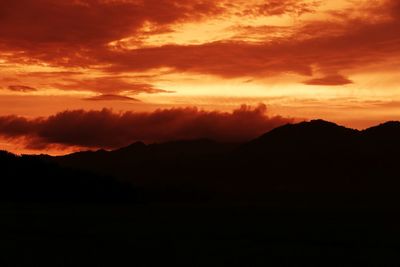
x: 108, y: 129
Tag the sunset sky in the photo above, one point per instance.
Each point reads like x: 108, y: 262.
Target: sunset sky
x: 88, y: 74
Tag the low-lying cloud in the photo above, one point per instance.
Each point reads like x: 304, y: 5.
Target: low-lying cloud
x: 109, y: 129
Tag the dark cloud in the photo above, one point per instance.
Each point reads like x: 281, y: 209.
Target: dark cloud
x: 13, y: 126
x: 62, y: 32
x: 111, y: 98
x: 91, y: 21
x: 21, y: 88
x: 110, y: 130
x: 76, y: 33
x: 327, y: 46
x: 226, y: 59
x: 106, y: 85
x: 329, y: 80
x: 279, y: 7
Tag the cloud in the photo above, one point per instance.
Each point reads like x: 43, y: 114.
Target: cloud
x: 328, y: 46
x: 52, y: 74
x: 21, y: 88
x: 111, y: 130
x: 111, y: 98
x: 107, y: 85
x: 331, y: 80
x: 82, y: 24
x: 279, y: 7
x: 77, y: 33
x: 86, y: 21
x: 48, y: 29
x: 226, y: 59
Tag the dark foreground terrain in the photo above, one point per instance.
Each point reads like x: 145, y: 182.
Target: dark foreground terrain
x: 118, y: 235
x: 310, y: 194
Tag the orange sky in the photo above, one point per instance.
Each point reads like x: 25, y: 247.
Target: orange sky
x: 303, y: 59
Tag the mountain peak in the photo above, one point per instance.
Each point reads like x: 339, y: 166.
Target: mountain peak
x: 309, y: 129
x: 320, y: 122
x: 302, y: 136
x: 132, y: 147
x: 388, y: 131
x: 386, y: 125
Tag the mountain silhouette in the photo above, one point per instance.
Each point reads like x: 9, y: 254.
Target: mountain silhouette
x: 313, y: 131
x: 299, y: 140
x: 30, y: 178
x: 314, y: 157
x: 307, y: 194
x: 386, y: 135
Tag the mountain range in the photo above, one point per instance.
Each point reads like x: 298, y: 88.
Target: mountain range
x: 315, y: 157
x: 307, y: 194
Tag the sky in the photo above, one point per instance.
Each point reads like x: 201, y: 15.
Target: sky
x: 89, y: 74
